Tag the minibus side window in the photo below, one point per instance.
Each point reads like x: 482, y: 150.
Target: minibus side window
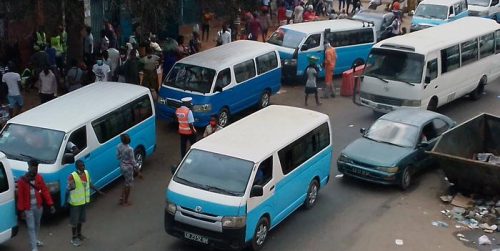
x: 497, y: 41
x: 487, y: 45
x: 312, y: 41
x: 223, y: 79
x: 141, y: 109
x: 469, y: 52
x: 79, y: 138
x: 266, y: 62
x: 450, y: 11
x: 264, y: 172
x: 4, y: 183
x: 244, y: 71
x: 450, y: 59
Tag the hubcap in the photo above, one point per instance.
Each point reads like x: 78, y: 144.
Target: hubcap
x: 313, y: 194
x: 265, y: 100
x: 223, y: 118
x: 139, y: 160
x: 406, y: 179
x: 261, y: 234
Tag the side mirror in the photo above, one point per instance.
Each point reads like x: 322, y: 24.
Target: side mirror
x: 423, y: 145
x: 362, y: 130
x: 256, y: 191
x: 494, y: 3
x: 427, y: 80
x: 304, y: 47
x: 68, y: 158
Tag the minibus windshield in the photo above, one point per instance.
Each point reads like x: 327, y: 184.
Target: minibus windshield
x: 215, y: 172
x: 286, y: 38
x: 191, y: 78
x: 393, y: 133
x: 22, y: 142
x: 395, y: 65
x: 432, y: 11
x: 482, y: 3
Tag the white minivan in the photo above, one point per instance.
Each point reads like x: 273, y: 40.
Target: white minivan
x: 8, y: 216
x: 485, y: 8
x: 240, y: 182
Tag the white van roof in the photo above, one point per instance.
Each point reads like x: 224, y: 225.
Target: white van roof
x: 71, y: 110
x: 258, y: 135
x: 441, y: 2
x: 320, y: 26
x: 441, y: 36
x: 221, y: 57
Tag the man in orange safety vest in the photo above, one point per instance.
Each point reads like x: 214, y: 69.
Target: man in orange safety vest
x: 186, y: 128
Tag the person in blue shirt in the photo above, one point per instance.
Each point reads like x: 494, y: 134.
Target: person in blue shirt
x: 51, y: 53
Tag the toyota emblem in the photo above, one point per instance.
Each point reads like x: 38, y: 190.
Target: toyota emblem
x: 198, y: 209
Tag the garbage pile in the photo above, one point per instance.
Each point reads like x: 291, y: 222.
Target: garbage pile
x: 474, y: 212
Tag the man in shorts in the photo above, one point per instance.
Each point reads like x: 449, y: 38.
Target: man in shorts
x: 13, y: 81
x: 79, y: 185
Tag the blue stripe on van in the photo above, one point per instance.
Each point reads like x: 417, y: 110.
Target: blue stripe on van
x: 8, y: 217
x: 291, y: 191
x: 102, y: 163
x: 207, y: 207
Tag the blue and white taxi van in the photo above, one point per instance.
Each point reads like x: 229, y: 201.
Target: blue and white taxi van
x: 239, y: 183
x: 222, y: 81
x: 8, y: 216
x: 430, y: 13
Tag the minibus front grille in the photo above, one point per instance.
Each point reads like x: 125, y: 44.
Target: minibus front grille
x: 173, y: 103
x: 188, y: 209
x: 386, y: 100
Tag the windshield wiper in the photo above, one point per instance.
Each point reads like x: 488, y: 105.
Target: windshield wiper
x: 406, y: 82
x: 190, y: 183
x: 221, y: 190
x: 377, y: 77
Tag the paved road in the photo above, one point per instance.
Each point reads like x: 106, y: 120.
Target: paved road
x: 349, y: 215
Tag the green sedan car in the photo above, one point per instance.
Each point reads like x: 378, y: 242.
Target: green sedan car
x: 393, y: 148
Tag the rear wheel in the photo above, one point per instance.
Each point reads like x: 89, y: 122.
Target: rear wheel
x: 478, y: 92
x: 432, y: 106
x: 312, y: 194
x: 139, y: 157
x: 260, y: 234
x: 265, y: 99
x: 223, y: 117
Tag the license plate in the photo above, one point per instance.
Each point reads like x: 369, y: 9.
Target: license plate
x: 196, y: 237
x: 384, y: 107
x: 360, y: 171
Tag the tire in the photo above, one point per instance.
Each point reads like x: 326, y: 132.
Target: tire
x: 140, y: 156
x: 260, y: 234
x: 223, y: 117
x: 478, y: 92
x: 265, y: 99
x: 312, y: 194
x: 432, y: 106
x: 405, y: 181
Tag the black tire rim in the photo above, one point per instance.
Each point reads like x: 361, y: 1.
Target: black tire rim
x: 406, y: 179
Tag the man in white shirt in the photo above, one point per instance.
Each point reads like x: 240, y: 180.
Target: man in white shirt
x: 298, y: 13
x: 13, y: 81
x: 101, y: 70
x: 113, y: 62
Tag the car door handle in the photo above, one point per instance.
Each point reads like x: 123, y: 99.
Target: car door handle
x: 271, y: 188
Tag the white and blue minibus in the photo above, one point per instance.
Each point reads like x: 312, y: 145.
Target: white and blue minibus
x: 430, y: 13
x: 352, y: 40
x: 8, y: 216
x: 237, y: 184
x: 222, y: 81
x: 92, y: 118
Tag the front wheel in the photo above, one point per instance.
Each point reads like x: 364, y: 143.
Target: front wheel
x: 223, y: 117
x: 478, y: 92
x: 405, y: 178
x: 139, y: 158
x: 265, y: 99
x: 260, y: 234
x: 312, y: 194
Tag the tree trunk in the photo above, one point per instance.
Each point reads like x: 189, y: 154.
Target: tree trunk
x: 74, y: 27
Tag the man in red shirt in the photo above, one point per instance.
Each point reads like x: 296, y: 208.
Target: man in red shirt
x: 31, y: 193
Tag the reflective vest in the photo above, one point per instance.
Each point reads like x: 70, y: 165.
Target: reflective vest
x: 182, y: 117
x: 81, y: 194
x: 40, y: 41
x: 57, y: 44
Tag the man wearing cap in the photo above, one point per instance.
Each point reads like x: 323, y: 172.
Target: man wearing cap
x: 186, y: 128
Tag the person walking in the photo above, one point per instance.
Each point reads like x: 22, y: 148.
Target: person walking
x: 186, y: 128
x: 131, y: 68
x: 150, y: 63
x: 113, y: 61
x: 195, y: 43
x: 342, y: 6
x: 212, y: 127
x: 101, y: 70
x: 330, y: 61
x: 48, y: 85
x: 298, y: 13
x: 13, y: 80
x: 74, y: 77
x: 312, y: 72
x: 207, y: 16
x: 265, y: 23
x: 79, y: 185
x: 128, y: 167
x: 32, y: 192
x: 88, y: 46
x: 224, y: 35
x: 254, y: 28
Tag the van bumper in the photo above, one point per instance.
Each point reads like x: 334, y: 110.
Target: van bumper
x: 227, y: 239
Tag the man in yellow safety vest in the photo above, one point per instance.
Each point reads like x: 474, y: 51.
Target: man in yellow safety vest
x: 79, y: 185
x: 40, y: 39
x: 186, y: 128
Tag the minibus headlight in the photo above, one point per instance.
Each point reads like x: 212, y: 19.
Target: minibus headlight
x: 408, y: 102
x: 53, y: 186
x: 393, y: 169
x: 171, y: 207
x: 202, y: 108
x: 234, y: 222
